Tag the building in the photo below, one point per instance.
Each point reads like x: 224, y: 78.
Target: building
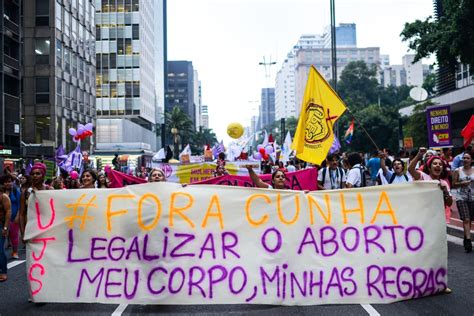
x: 197, y: 99
x: 126, y: 89
x: 58, y: 73
x: 321, y: 59
x: 10, y: 80
x: 313, y: 49
x: 345, y: 35
x: 160, y: 65
x: 408, y: 73
x: 180, y: 90
x: 267, y: 107
x: 204, y: 116
x: 285, y: 97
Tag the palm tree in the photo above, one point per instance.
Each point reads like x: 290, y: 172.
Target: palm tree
x: 178, y: 122
x: 203, y: 137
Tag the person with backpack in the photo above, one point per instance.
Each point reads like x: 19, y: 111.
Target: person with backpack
x: 356, y: 174
x: 331, y: 177
x: 397, y: 174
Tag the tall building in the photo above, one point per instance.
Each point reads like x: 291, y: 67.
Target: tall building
x: 314, y: 49
x: 345, y: 35
x: 285, y: 96
x: 409, y: 73
x: 197, y: 99
x: 160, y: 63
x: 204, y: 116
x: 267, y: 107
x: 10, y: 83
x: 321, y: 59
x: 180, y: 90
x: 126, y: 89
x: 58, y: 73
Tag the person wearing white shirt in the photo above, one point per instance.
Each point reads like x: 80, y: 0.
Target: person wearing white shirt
x: 356, y: 175
x: 397, y: 174
x: 331, y: 177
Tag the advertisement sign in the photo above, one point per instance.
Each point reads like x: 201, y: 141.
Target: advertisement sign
x: 439, y: 126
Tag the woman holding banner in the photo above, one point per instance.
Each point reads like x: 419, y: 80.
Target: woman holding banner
x: 156, y: 175
x: 463, y: 185
x: 278, y: 179
x: 38, y: 172
x: 434, y: 169
x: 88, y: 179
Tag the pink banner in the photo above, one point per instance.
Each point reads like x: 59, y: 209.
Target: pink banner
x: 118, y: 179
x: 299, y: 180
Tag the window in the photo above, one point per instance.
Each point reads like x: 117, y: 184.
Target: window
x: 59, y: 54
x: 42, y: 50
x: 67, y: 23
x: 42, y: 12
x: 67, y: 60
x: 42, y: 89
x: 135, y: 31
x: 74, y: 64
x: 59, y: 15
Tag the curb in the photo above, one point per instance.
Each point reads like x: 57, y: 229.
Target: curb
x: 457, y: 232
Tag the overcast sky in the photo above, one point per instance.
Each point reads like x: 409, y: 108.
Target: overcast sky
x: 226, y: 40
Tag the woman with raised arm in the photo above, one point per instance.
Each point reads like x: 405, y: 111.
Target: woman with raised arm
x: 463, y: 189
x: 434, y: 169
x: 278, y: 179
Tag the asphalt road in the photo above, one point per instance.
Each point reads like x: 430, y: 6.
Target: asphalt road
x: 14, y: 298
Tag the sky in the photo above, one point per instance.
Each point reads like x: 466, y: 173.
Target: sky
x: 226, y: 40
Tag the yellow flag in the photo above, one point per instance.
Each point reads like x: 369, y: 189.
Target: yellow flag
x: 320, y: 109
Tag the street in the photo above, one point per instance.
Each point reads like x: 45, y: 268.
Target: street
x: 14, y: 298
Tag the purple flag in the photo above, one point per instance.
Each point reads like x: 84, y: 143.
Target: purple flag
x: 336, y: 145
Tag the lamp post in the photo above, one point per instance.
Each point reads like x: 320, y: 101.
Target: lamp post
x: 175, y: 133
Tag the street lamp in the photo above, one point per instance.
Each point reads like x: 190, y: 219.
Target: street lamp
x: 175, y: 133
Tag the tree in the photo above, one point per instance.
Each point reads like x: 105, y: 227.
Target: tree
x: 358, y: 86
x: 429, y: 84
x: 204, y: 136
x: 415, y: 125
x: 450, y: 37
x: 176, y: 118
x: 381, y: 123
x: 395, y: 96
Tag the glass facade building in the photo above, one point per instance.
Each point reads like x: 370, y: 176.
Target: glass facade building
x: 125, y: 75
x: 58, y: 73
x: 10, y: 83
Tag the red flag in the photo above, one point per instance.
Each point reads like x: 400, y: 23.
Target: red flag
x: 118, y: 179
x: 270, y: 139
x: 468, y: 132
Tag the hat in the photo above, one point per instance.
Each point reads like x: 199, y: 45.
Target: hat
x: 39, y: 166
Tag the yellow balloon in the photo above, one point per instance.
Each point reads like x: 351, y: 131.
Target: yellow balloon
x: 235, y: 130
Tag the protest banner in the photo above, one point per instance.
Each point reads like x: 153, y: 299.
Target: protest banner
x: 439, y: 126
x: 161, y: 243
x: 300, y: 180
x: 195, y: 172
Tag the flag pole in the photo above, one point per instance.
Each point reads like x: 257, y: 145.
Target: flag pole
x: 363, y: 128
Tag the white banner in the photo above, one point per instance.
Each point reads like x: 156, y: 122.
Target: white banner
x: 196, y: 172
x: 160, y: 243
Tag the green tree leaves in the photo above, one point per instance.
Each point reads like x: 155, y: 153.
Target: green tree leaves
x: 451, y: 37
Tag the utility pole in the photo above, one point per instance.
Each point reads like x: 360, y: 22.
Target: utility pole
x: 334, y: 52
x: 267, y: 66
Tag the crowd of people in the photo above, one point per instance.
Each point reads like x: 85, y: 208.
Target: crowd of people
x: 339, y: 171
